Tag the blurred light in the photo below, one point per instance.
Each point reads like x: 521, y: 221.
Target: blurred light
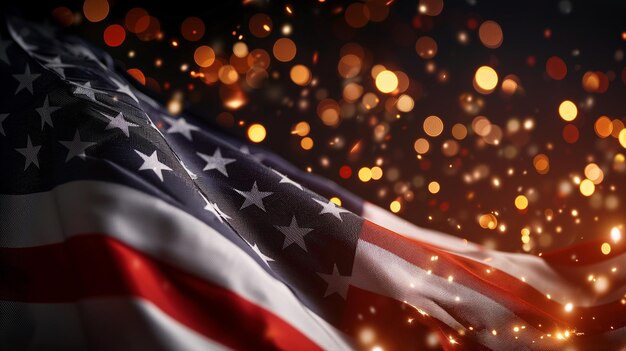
x: 386, y: 81
x: 335, y: 200
x: 490, y: 34
x: 96, y: 10
x: 616, y: 234
x: 114, y: 35
x: 568, y: 110
x: 434, y: 187
x: 486, y: 79
x: 433, y: 126
x: 256, y: 133
x: 521, y: 202
x: 300, y: 75
x: 587, y: 187
x: 204, y: 56
x: 365, y: 174
x: 284, y: 49
x: 192, y: 28
x: 395, y: 206
x: 605, y: 248
x: 306, y: 143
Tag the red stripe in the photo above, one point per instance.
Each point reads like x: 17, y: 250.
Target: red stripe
x: 584, y: 253
x: 93, y: 265
x: 519, y: 297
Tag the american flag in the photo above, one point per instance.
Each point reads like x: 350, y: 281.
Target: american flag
x: 123, y: 227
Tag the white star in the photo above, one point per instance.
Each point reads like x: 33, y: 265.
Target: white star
x: 30, y: 153
x: 152, y: 163
x: 180, y: 125
x: 3, y: 116
x: 215, y: 210
x: 331, y: 208
x: 253, y: 197
x: 122, y: 88
x: 4, y: 44
x: 264, y: 257
x: 337, y: 283
x: 76, y: 147
x: 285, y: 179
x: 120, y: 123
x: 216, y: 161
x: 294, y: 234
x: 26, y: 80
x: 46, y: 112
x: 86, y: 90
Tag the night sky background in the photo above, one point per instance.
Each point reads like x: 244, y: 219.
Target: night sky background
x: 589, y: 36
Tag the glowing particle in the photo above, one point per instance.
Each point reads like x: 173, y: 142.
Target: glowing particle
x: 556, y: 68
x: 587, y: 187
x: 594, y: 173
x: 96, y: 10
x: 335, y: 200
x: 434, y: 187
x: 616, y: 234
x: 138, y: 75
x: 568, y: 110
x: 114, y: 35
x: 490, y: 34
x: 284, y: 49
x: 345, y: 172
x: 605, y: 248
x: 306, y: 143
x: 541, y: 163
x: 260, y: 25
x: 256, y: 133
x: 569, y: 307
x: 430, y: 7
x: 386, y: 81
x: 204, y: 56
x: 521, y: 202
x: 488, y: 221
x: 240, y: 49
x: 570, y: 133
x: 377, y: 172
x: 300, y: 75
x: 433, y: 126
x: 622, y: 138
x: 301, y: 128
x: 426, y: 47
x: 459, y: 131
x: 192, y: 28
x: 485, y: 79
x: 365, y: 174
x: 405, y: 103
x: 603, y: 127
x: 137, y: 20
x: 395, y: 206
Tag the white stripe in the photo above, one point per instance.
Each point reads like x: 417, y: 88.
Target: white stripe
x: 533, y: 269
x: 96, y: 324
x: 382, y: 272
x: 160, y: 230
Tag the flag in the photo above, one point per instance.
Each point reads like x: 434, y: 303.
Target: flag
x: 123, y: 227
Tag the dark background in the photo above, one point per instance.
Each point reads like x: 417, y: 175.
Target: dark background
x: 593, y: 28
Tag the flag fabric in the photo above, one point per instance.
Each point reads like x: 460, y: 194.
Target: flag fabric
x: 123, y: 227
